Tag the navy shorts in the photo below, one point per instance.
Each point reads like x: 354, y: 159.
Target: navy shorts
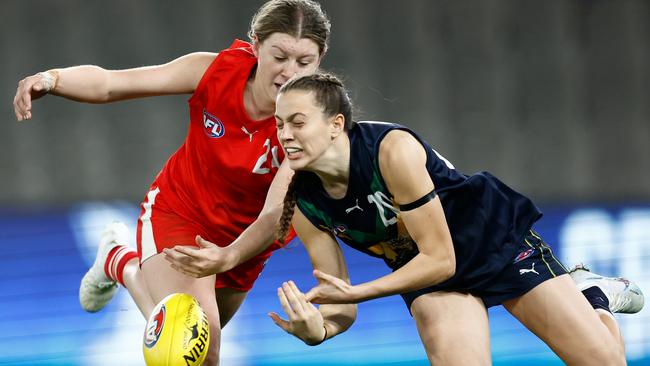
x: 532, y: 264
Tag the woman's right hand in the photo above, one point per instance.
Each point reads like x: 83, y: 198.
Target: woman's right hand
x: 32, y: 88
x: 305, y: 320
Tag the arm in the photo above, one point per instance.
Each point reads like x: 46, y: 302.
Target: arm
x: 402, y: 162
x: 306, y: 322
x: 93, y: 84
x: 210, y: 258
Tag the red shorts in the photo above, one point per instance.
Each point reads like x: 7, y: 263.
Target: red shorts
x: 160, y: 228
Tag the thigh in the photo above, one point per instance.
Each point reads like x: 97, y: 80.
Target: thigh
x: 561, y: 316
x: 446, y: 321
x: 242, y: 277
x: 160, y: 228
x: 228, y: 301
x: 162, y: 280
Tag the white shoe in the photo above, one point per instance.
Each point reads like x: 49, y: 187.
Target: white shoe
x: 96, y: 290
x: 624, y: 295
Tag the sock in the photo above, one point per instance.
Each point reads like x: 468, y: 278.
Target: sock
x: 596, y: 298
x: 117, y: 258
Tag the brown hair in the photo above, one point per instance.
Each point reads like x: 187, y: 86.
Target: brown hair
x: 299, y: 18
x: 290, y: 200
x: 331, y: 95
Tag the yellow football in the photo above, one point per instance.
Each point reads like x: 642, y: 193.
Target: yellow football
x: 177, y: 333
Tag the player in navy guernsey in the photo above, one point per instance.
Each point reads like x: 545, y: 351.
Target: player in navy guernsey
x: 457, y: 244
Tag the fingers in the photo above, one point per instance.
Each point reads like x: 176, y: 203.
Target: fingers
x: 285, y: 325
x: 327, y: 279
x: 20, y: 108
x: 172, y: 255
x: 285, y: 303
x: 322, y: 276
x: 187, y: 250
x: 23, y: 98
x: 313, y: 295
x: 181, y: 262
x: 296, y: 298
x: 202, y: 243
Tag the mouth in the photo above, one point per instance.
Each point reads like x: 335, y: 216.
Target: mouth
x: 292, y: 151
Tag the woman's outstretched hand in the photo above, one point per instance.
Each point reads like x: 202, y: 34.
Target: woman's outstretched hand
x: 304, y: 320
x: 206, y: 260
x: 331, y: 290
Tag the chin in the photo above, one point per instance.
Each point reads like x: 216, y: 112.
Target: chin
x: 297, y: 165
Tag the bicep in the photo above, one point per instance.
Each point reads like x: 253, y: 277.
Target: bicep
x: 324, y: 251
x: 402, y: 161
x: 180, y: 76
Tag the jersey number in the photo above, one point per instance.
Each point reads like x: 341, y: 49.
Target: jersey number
x: 383, y: 203
x: 261, y: 161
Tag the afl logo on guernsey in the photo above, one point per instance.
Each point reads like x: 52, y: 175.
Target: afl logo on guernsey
x: 212, y: 126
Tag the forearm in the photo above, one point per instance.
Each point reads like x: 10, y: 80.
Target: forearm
x: 420, y: 272
x: 255, y: 239
x: 86, y: 83
x: 337, y: 318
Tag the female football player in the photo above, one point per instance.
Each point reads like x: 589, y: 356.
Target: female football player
x: 457, y: 244
x: 215, y: 184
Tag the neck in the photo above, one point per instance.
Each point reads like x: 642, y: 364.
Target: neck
x: 257, y: 105
x: 333, y: 168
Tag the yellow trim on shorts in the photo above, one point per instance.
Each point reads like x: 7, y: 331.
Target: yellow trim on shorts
x: 543, y: 260
x: 549, y: 250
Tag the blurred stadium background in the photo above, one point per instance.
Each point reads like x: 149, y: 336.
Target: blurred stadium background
x: 551, y: 96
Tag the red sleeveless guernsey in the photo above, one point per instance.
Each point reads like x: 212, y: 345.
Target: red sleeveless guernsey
x: 219, y: 177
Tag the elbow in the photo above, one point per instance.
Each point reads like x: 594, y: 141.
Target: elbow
x: 350, y: 315
x: 450, y: 269
x: 104, y: 92
x: 447, y: 267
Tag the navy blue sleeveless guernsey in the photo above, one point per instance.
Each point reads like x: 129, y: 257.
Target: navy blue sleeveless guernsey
x: 486, y: 218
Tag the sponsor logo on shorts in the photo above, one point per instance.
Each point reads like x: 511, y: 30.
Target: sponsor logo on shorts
x: 528, y: 270
x: 523, y: 255
x: 212, y: 126
x: 339, y: 228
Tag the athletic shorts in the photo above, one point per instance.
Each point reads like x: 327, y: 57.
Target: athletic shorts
x: 160, y: 228
x: 532, y: 264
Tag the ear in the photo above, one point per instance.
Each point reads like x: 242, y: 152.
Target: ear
x: 338, y: 125
x: 256, y: 47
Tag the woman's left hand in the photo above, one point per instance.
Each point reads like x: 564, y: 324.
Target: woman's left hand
x: 206, y: 260
x: 331, y: 290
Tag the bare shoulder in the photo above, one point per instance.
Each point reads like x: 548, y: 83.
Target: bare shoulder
x: 399, y: 147
x: 402, y: 162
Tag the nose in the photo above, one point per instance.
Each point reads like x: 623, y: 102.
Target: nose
x: 290, y: 69
x: 285, y: 134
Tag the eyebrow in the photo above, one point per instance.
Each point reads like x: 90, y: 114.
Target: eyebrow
x: 285, y: 52
x: 291, y: 116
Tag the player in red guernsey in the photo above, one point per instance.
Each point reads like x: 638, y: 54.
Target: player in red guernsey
x: 216, y: 184
x: 218, y: 179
